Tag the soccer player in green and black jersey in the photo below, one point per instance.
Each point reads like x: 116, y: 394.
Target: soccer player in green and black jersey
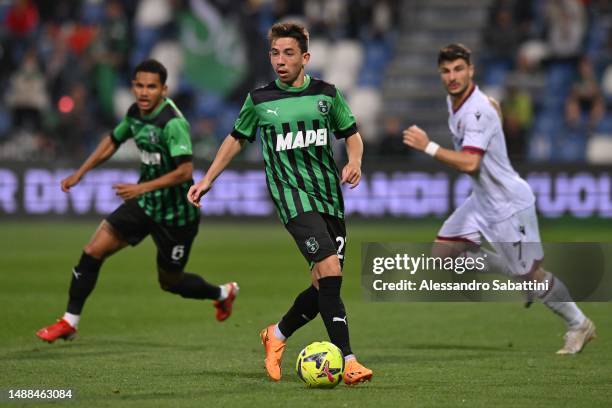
x: 296, y: 115
x: 155, y: 206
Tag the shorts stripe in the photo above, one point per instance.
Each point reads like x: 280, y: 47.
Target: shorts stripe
x: 456, y: 239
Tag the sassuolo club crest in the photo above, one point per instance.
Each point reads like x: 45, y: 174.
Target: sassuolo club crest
x: 323, y: 106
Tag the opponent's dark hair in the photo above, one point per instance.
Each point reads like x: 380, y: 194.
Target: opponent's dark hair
x: 153, y: 66
x: 291, y: 30
x: 454, y: 52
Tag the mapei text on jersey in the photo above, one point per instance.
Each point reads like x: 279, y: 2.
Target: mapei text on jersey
x: 301, y: 139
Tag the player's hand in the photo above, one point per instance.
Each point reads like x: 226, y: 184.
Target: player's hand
x: 70, y: 181
x: 128, y: 191
x: 196, y: 192
x: 351, y: 173
x: 415, y: 137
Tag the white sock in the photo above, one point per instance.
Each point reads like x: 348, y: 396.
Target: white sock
x: 224, y: 292
x: 560, y: 301
x: 350, y: 357
x: 278, y: 334
x: 72, y: 319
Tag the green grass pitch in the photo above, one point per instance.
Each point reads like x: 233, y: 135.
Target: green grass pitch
x: 141, y: 347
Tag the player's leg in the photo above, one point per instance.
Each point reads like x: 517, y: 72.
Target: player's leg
x: 460, y: 236
x: 524, y: 255
x: 328, y: 273
x: 105, y: 242
x: 306, y: 305
x: 304, y: 309
x: 173, y: 249
x: 124, y: 226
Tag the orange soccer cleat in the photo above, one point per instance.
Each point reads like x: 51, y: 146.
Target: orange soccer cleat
x: 355, y: 373
x: 224, y: 307
x: 60, y: 330
x: 274, y: 352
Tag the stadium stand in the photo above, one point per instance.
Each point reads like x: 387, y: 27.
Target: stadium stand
x: 65, y: 66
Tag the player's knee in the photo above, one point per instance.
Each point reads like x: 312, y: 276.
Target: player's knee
x: 329, y: 266
x: 95, y: 252
x: 168, y: 281
x: 536, y: 272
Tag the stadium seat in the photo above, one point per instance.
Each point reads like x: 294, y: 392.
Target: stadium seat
x: 170, y: 54
x: 599, y: 149
x: 605, y: 125
x: 123, y: 99
x: 606, y: 82
x: 319, y: 50
x: 92, y: 13
x: 208, y: 104
x: 570, y: 146
x: 344, y: 60
x: 366, y: 103
x: 540, y: 147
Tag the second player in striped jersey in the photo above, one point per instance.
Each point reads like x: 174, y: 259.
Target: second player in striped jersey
x: 155, y: 206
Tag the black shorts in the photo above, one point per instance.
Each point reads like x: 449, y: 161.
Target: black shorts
x: 318, y: 236
x: 173, y: 243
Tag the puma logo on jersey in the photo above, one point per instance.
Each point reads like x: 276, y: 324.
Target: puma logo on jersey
x: 340, y: 319
x: 298, y: 139
x: 274, y: 112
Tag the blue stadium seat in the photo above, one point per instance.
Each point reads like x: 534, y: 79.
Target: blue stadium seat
x: 496, y: 72
x: 570, y: 146
x: 92, y: 13
x: 560, y: 75
x: 540, y: 147
x: 227, y: 117
x: 5, y: 122
x: 605, y: 126
x: 208, y: 105
x: 144, y: 38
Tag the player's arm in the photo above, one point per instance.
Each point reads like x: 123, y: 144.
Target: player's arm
x: 351, y: 173
x: 464, y: 161
x: 230, y: 147
x: 181, y: 174
x: 106, y: 148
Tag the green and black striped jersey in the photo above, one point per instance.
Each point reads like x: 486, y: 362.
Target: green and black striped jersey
x: 295, y: 125
x: 164, y: 142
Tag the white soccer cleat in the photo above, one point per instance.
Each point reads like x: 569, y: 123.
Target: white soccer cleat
x: 577, y: 338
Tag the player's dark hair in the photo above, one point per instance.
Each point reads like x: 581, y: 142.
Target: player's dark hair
x: 454, y: 52
x: 291, y: 30
x: 154, y: 67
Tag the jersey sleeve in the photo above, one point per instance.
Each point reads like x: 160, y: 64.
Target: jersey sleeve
x: 121, y: 132
x: 177, y: 137
x: 342, y: 119
x: 245, y: 126
x: 477, y: 133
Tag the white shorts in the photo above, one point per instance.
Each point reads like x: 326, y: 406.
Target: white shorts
x: 516, y: 238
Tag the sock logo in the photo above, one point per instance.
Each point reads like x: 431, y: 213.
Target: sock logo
x: 340, y: 319
x: 76, y: 274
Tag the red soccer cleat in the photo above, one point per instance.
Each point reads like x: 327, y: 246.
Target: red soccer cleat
x: 60, y: 330
x: 224, y: 307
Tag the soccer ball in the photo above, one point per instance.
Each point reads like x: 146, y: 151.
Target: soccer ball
x: 320, y: 365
